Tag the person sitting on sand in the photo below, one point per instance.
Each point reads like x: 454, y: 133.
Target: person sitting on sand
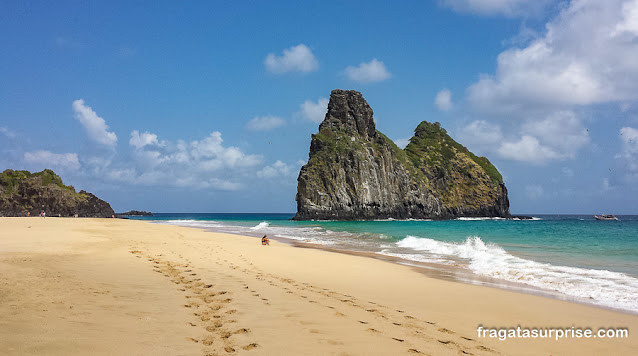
x: 265, y: 240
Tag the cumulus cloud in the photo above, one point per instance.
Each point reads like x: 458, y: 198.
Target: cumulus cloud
x: 198, y: 164
x: 587, y: 56
x: 95, y: 126
x: 509, y: 8
x: 443, y: 100
x: 139, y: 140
x: 402, y: 142
x: 50, y: 159
x: 561, y: 130
x: 527, y: 149
x: 481, y: 132
x: 265, y: 123
x: 558, y: 136
x: 294, y: 59
x: 373, y: 71
x: 277, y: 169
x: 314, y: 111
x: 212, y: 155
x: 5, y: 131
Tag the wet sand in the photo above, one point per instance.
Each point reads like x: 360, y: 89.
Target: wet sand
x: 110, y: 286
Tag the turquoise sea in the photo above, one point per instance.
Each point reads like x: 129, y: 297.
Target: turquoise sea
x: 572, y: 257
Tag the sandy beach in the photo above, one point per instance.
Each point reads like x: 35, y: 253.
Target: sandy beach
x: 110, y: 286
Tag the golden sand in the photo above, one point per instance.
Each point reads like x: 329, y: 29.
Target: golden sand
x: 110, y: 286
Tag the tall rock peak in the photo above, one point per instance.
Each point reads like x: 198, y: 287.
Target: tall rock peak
x: 355, y: 172
x: 348, y: 111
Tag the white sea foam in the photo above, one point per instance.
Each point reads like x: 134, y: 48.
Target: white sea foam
x: 262, y: 225
x: 415, y: 257
x: 192, y: 223
x: 601, y: 287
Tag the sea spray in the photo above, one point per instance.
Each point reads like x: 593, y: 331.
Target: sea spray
x: 262, y: 225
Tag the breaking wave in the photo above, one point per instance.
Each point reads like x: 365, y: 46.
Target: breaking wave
x: 602, y: 287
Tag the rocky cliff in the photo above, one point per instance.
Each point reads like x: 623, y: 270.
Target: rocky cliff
x: 356, y: 172
x: 23, y: 192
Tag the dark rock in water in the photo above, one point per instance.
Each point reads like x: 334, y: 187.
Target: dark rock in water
x: 356, y: 172
x: 522, y: 217
x: 23, y: 192
x: 136, y: 213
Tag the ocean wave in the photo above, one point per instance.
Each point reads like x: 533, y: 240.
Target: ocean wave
x: 191, y: 223
x: 262, y: 225
x: 602, y: 287
x: 307, y: 239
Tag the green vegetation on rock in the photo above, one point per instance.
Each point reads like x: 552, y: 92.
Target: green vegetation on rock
x: 432, y: 146
x: 23, y: 192
x: 356, y: 172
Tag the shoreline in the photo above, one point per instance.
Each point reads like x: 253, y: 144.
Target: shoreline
x: 433, y: 270
x: 104, y: 286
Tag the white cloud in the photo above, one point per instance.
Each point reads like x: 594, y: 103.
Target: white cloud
x: 373, y: 71
x: 5, y: 131
x: 139, y: 140
x: 587, y: 56
x: 556, y: 136
x: 211, y: 155
x: 443, y: 100
x: 629, y: 24
x: 50, y: 159
x: 277, y: 169
x: 534, y: 192
x: 95, y: 126
x: 402, y: 142
x: 481, y: 132
x: 561, y: 130
x: 527, y: 149
x: 198, y: 164
x: 559, y: 136
x: 509, y: 8
x: 265, y: 123
x: 294, y: 59
x: 314, y: 112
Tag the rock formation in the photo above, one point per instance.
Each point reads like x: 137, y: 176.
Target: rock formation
x: 356, y: 172
x: 136, y: 213
x: 23, y: 192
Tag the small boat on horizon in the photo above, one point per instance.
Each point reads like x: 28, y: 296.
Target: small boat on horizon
x: 605, y: 217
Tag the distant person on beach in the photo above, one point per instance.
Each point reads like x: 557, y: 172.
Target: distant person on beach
x: 265, y: 240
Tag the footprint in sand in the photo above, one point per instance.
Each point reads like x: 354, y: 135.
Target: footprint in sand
x: 229, y: 349
x: 250, y: 346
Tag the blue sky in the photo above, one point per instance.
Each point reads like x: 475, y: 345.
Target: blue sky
x: 209, y: 106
